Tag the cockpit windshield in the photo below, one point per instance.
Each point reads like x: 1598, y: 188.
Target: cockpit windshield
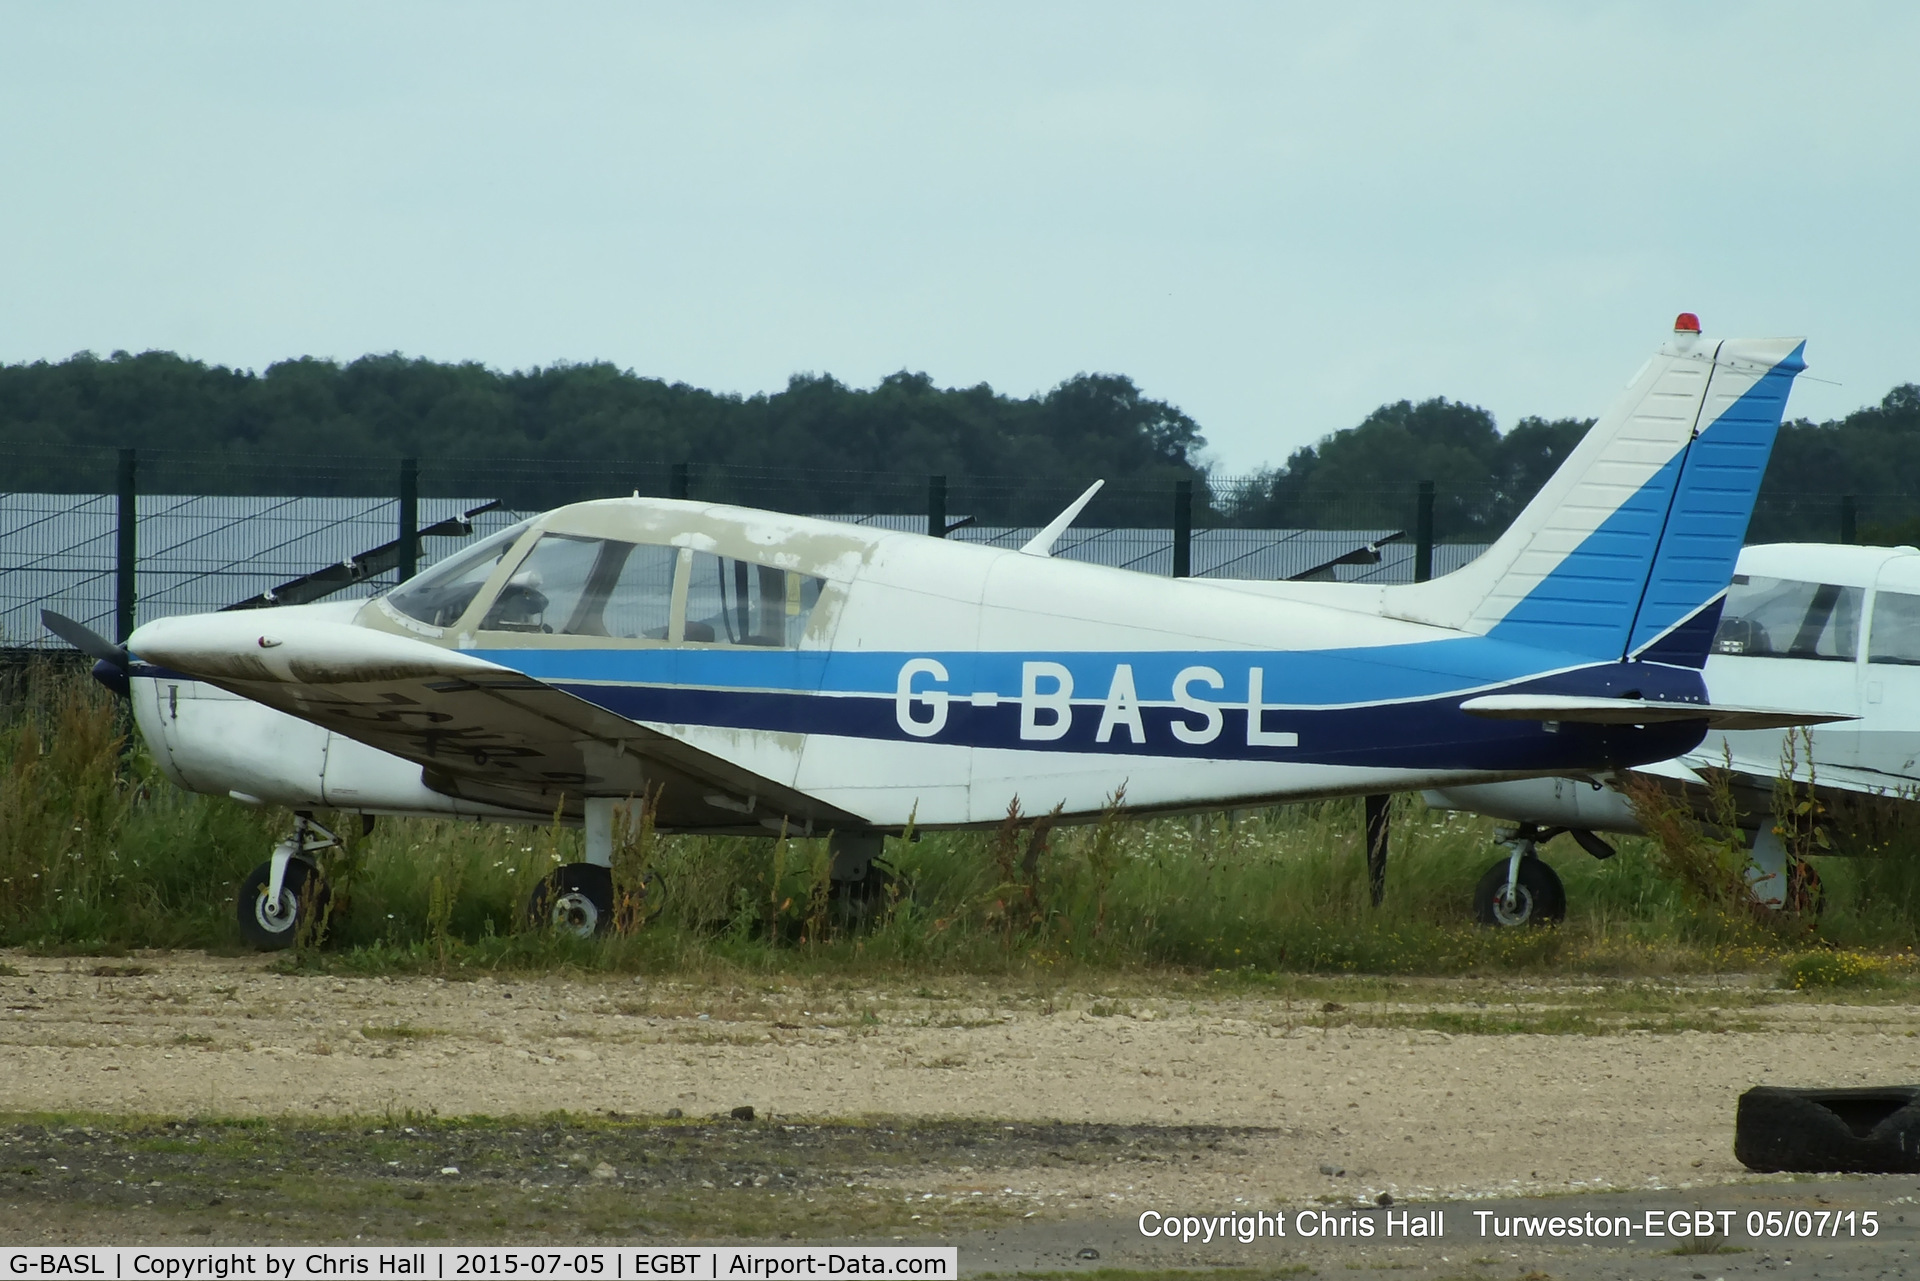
x: 581, y: 585
x: 441, y: 594
x: 588, y: 586
x: 1787, y: 618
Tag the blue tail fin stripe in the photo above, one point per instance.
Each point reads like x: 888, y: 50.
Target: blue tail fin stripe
x: 1586, y: 604
x: 1713, y: 504
x: 1669, y: 548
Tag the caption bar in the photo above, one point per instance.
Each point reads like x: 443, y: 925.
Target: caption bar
x: 451, y: 1263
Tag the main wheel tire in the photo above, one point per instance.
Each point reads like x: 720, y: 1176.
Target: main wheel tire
x: 272, y: 927
x: 576, y: 899
x: 1539, y: 897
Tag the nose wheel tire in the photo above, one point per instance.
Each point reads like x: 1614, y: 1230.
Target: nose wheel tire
x: 576, y: 899
x: 273, y: 926
x: 1538, y: 896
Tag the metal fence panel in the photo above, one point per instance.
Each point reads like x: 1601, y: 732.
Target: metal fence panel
x: 197, y: 553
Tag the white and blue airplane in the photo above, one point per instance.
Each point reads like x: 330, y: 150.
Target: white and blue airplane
x: 1821, y: 625
x: 755, y: 672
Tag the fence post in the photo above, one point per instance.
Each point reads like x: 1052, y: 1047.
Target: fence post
x: 126, y: 550
x: 677, y: 484
x: 409, y: 518
x: 936, y: 506
x: 1849, y: 533
x: 1183, y: 529
x: 1423, y: 534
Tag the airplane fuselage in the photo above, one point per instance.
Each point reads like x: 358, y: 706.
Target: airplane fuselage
x: 937, y: 683
x: 755, y: 671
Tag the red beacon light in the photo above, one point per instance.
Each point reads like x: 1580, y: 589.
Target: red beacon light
x: 1686, y: 323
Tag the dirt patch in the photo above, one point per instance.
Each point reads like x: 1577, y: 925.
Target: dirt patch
x: 1586, y: 1086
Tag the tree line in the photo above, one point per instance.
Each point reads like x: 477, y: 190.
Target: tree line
x: 545, y: 435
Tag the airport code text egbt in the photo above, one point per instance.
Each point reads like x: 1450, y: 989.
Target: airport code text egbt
x: 702, y: 1263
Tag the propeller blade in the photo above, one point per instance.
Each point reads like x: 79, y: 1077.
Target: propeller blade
x: 84, y: 638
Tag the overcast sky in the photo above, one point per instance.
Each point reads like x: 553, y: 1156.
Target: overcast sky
x: 1276, y: 217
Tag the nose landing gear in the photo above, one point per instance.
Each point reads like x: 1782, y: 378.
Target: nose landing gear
x: 1521, y: 889
x: 287, y: 891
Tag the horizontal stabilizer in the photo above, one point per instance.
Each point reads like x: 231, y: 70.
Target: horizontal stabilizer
x: 1588, y: 710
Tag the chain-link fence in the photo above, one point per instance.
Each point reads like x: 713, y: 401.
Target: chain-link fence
x: 211, y: 530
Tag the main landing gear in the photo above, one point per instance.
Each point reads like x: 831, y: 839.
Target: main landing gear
x: 577, y: 898
x: 287, y: 892
x: 861, y: 883
x: 1521, y: 889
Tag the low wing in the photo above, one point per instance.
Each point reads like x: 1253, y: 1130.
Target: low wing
x: 1825, y: 775
x: 477, y: 729
x: 1861, y: 810
x: 1589, y: 710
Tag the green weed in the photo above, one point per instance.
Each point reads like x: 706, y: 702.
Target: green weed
x: 1833, y: 969
x: 100, y: 854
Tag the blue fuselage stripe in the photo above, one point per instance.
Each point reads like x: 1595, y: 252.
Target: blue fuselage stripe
x: 1303, y: 678
x: 1424, y: 735
x: 1127, y: 703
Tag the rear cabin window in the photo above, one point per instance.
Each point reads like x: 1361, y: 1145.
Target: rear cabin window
x: 574, y: 586
x: 1788, y: 618
x: 1895, y: 637
x: 736, y: 602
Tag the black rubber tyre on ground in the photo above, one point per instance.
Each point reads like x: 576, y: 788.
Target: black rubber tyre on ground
x: 304, y: 897
x: 1875, y: 1130
x: 1539, y: 897
x: 576, y: 899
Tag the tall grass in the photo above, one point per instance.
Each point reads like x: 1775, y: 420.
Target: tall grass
x: 100, y: 853
x: 97, y: 850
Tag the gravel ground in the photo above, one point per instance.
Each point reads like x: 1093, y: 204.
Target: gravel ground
x: 1301, y: 1101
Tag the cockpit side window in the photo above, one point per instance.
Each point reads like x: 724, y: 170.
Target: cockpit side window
x: 738, y: 602
x: 440, y: 595
x: 574, y: 586
x: 1787, y: 618
x: 640, y: 606
x: 1895, y: 636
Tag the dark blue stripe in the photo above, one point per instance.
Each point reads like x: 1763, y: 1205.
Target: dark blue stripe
x: 1689, y: 643
x: 1429, y: 734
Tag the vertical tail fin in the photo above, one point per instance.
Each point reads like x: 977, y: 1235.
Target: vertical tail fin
x: 1629, y: 547
x: 1713, y: 502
